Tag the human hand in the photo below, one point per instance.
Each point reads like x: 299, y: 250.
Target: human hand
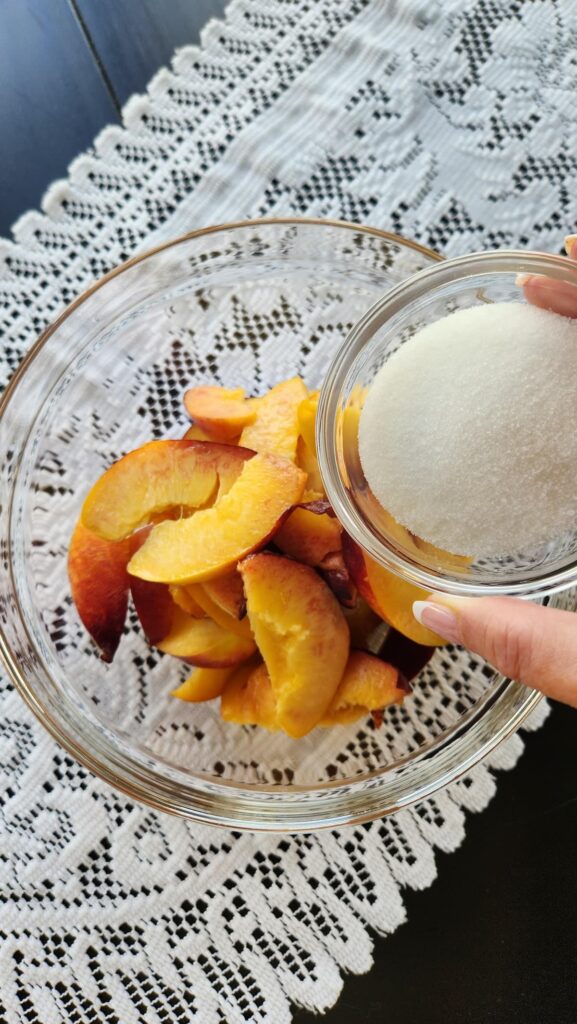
x: 527, y: 642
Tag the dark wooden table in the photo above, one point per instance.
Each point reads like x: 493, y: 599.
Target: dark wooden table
x: 494, y: 940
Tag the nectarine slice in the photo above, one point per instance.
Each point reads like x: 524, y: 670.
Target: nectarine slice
x: 307, y: 461
x: 276, y: 427
x: 410, y: 658
x: 154, y: 607
x: 388, y: 595
x: 210, y: 542
x: 228, y: 593
x: 301, y: 634
x: 181, y: 596
x: 221, y: 412
x: 196, y: 433
x: 203, y: 642
x: 240, y: 627
x: 308, y: 537
x: 368, y: 684
x: 248, y: 698
x: 307, y: 412
x: 362, y: 622
x: 203, y: 684
x: 157, y: 476
x: 335, y: 573
x: 99, y: 583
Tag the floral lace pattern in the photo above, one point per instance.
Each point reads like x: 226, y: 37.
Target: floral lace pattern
x: 446, y: 122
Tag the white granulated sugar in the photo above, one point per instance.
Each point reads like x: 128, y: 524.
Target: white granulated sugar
x: 468, y: 435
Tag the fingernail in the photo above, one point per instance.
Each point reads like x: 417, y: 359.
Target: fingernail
x: 439, y: 618
x: 570, y: 244
x: 522, y: 279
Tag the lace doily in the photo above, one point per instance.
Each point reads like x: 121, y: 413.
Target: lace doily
x: 446, y: 122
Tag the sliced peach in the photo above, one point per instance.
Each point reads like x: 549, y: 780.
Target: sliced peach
x: 388, y: 595
x: 301, y: 634
x: 409, y: 657
x: 307, y: 461
x: 307, y: 536
x: 154, y: 607
x: 203, y: 684
x: 99, y: 583
x: 212, y: 541
x: 221, y: 412
x: 228, y: 593
x: 368, y: 684
x: 240, y: 627
x: 157, y: 478
x: 335, y: 573
x: 248, y: 698
x: 362, y: 622
x: 184, y: 599
x: 203, y: 642
x: 307, y: 412
x: 276, y: 427
x: 196, y: 433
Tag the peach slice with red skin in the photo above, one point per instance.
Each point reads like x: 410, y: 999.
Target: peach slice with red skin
x: 248, y: 698
x: 156, y: 478
x: 362, y: 622
x: 300, y: 632
x: 99, y: 583
x: 203, y: 642
x: 196, y: 433
x: 335, y: 573
x: 307, y: 413
x: 409, y: 657
x: 221, y: 412
x: 276, y: 427
x: 184, y: 599
x: 213, y: 540
x: 154, y: 607
x: 309, y: 536
x: 240, y: 627
x: 388, y: 595
x: 228, y: 593
x: 368, y: 684
x: 203, y: 684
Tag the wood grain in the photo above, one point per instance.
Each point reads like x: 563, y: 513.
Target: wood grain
x: 134, y: 38
x: 53, y: 100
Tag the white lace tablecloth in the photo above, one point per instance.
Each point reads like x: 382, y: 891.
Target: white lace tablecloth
x: 444, y: 120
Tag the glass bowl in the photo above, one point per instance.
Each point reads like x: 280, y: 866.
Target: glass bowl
x: 246, y: 304
x: 479, y: 278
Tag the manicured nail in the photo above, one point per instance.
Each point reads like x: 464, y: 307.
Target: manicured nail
x: 522, y: 279
x: 439, y: 618
x: 570, y: 244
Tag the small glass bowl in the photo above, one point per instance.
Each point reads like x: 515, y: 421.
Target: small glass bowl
x: 433, y: 293
x: 244, y: 304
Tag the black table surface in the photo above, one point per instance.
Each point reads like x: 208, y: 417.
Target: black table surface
x: 494, y: 938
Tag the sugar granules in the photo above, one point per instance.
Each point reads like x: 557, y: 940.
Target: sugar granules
x: 468, y: 435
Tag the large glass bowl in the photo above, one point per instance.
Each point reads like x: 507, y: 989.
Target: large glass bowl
x: 245, y: 304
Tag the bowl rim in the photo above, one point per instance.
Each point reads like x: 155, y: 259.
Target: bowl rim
x: 385, y: 308
x: 216, y: 801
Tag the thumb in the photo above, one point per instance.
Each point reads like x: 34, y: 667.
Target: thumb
x: 524, y: 641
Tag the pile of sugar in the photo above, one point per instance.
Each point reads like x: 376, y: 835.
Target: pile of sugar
x: 468, y: 435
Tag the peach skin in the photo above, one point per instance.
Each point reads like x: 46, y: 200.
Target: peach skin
x: 300, y: 632
x: 213, y: 540
x: 99, y: 583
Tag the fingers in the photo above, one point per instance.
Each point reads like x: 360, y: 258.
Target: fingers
x: 546, y: 293
x: 536, y: 645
